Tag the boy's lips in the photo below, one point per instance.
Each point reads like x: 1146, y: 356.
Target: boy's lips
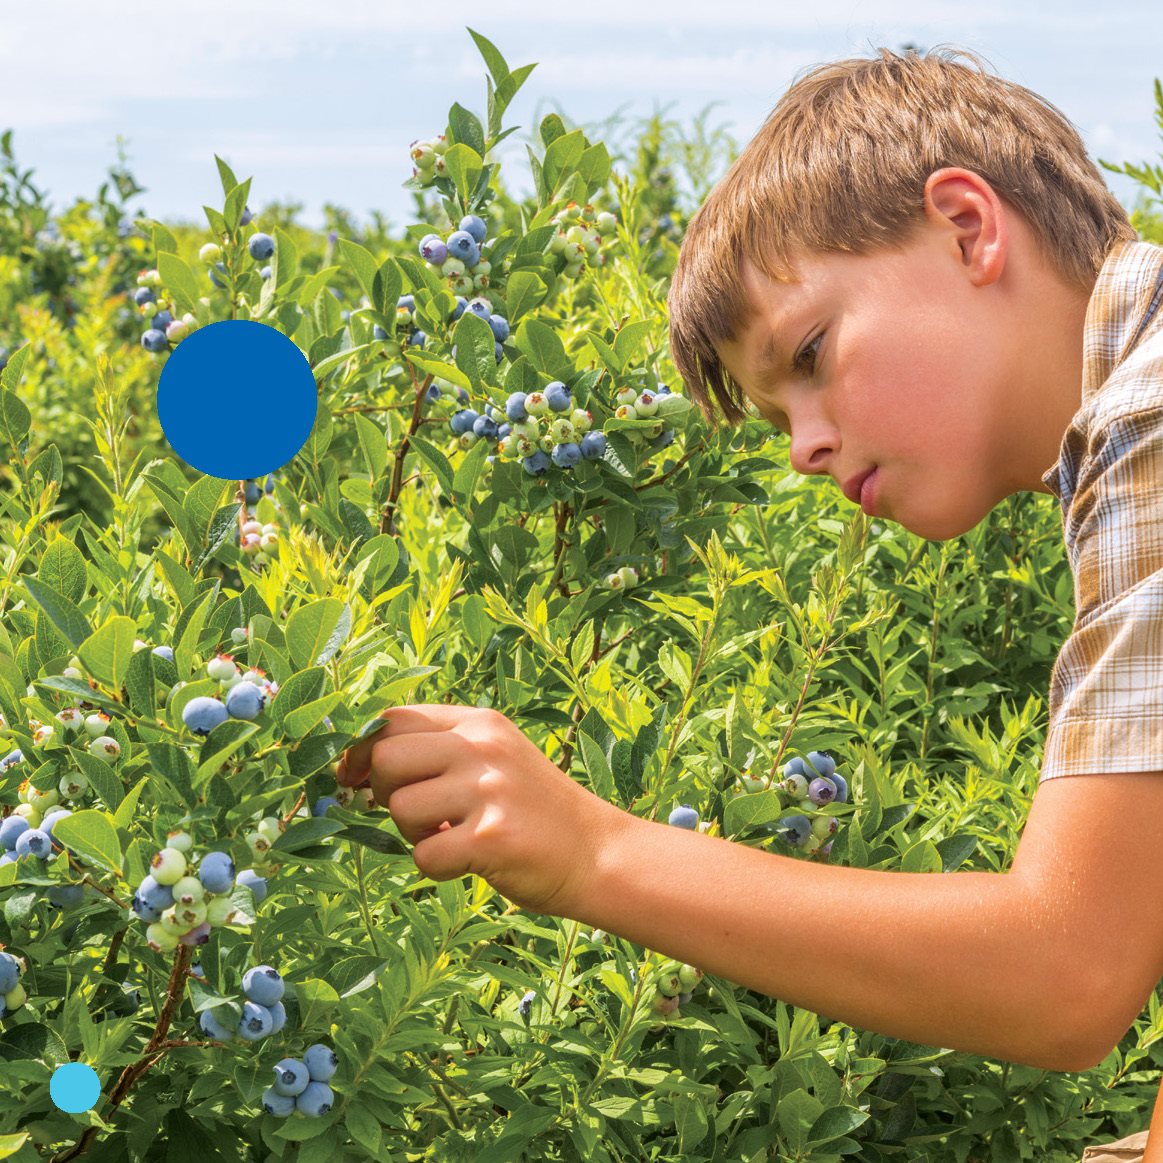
x: 852, y: 486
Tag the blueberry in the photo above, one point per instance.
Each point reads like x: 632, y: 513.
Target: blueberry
x: 322, y: 804
x: 34, y: 842
x: 593, y: 445
x: 164, y: 652
x: 263, y: 984
x: 211, y: 1026
x: 154, y: 340
x: 216, y: 872
x: 244, y: 700
x: 9, y: 973
x: 261, y: 247
x: 278, y: 1016
x: 10, y: 829
x: 256, y: 1021
x: 684, y: 816
x: 474, y: 226
x: 321, y: 1062
x: 537, y: 464
x: 203, y: 714
x: 251, y: 879
x: 316, y: 1100
x: 500, y: 326
x: 291, y: 1077
x: 566, y: 455
x: 279, y: 1105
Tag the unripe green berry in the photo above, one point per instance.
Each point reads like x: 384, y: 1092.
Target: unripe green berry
x: 168, y: 866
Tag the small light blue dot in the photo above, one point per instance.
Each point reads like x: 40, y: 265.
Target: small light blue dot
x: 236, y: 399
x: 74, y: 1087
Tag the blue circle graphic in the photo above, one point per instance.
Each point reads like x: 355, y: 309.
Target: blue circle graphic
x: 74, y: 1087
x: 236, y: 399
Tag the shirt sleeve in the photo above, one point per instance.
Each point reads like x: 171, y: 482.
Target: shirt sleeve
x: 1106, y: 688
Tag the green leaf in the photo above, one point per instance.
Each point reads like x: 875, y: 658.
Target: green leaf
x: 378, y: 839
x: 187, y: 647
x: 464, y: 168
x: 62, y: 566
x: 306, y: 832
x: 67, y: 618
x: 201, y: 503
x: 437, y: 367
x: 316, y: 751
x: 93, y: 837
x: 524, y: 292
x: 561, y: 157
x: 10, y: 1144
x: 386, y: 287
x: 362, y: 264
x: 304, y: 719
x: 492, y: 58
x: 15, y: 420
x: 594, y: 167
x: 222, y: 743
x: 552, y: 127
x: 373, y: 444
x: 438, y: 461
x: 102, y: 778
x: 229, y: 181
x: 179, y: 281
x: 223, y: 526
x: 316, y: 631
x: 466, y: 128
x: 628, y: 342
x: 107, y: 653
x: 468, y: 472
x: 543, y: 346
x: 476, y: 347
x: 304, y: 686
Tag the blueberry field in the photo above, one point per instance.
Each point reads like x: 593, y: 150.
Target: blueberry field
x: 505, y: 503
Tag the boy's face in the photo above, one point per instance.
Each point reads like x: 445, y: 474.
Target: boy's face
x: 930, y: 367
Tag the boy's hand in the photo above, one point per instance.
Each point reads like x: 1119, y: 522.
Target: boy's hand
x: 474, y: 794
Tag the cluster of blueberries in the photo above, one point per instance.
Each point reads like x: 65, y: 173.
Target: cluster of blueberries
x: 246, y: 694
x: 543, y: 427
x: 262, y: 1014
x: 580, y: 233
x: 180, y: 904
x: 301, y: 1084
x: 12, y: 993
x: 807, y: 784
x: 459, y: 257
x: 162, y: 328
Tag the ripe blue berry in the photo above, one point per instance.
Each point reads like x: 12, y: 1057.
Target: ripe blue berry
x: 10, y: 830
x: 500, y: 326
x: 244, y: 700
x: 279, y: 1105
x: 164, y: 652
x: 593, y: 445
x: 278, y: 1016
x: 474, y: 226
x: 34, y: 842
x: 684, y: 816
x: 263, y: 984
x: 557, y: 397
x: 796, y: 830
x: 261, y: 247
x: 256, y: 1021
x: 203, y: 714
x: 434, y: 250
x: 316, y: 1100
x: 321, y: 1062
x: 154, y: 340
x: 537, y: 464
x: 291, y: 1077
x: 9, y: 973
x: 216, y: 872
x: 824, y: 764
x: 322, y: 804
x: 251, y: 879
x: 566, y: 455
x: 211, y: 1026
x: 66, y: 896
x: 144, y: 295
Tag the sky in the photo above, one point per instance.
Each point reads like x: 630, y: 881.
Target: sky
x: 318, y: 103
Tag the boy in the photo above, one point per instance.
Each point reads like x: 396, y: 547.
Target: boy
x: 913, y: 270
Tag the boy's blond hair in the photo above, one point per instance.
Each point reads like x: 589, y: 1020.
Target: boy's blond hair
x: 840, y: 165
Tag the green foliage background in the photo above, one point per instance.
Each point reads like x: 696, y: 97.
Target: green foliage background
x: 770, y: 621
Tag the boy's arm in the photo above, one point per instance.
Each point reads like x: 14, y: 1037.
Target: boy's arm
x: 1047, y: 964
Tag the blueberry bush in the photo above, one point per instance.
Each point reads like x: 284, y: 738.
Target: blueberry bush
x: 506, y: 501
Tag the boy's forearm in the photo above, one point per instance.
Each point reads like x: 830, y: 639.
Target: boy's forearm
x: 958, y: 960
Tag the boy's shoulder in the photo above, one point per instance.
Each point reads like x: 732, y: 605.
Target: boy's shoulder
x: 1123, y: 335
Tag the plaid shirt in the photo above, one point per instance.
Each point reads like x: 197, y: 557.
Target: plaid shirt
x: 1106, y: 688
